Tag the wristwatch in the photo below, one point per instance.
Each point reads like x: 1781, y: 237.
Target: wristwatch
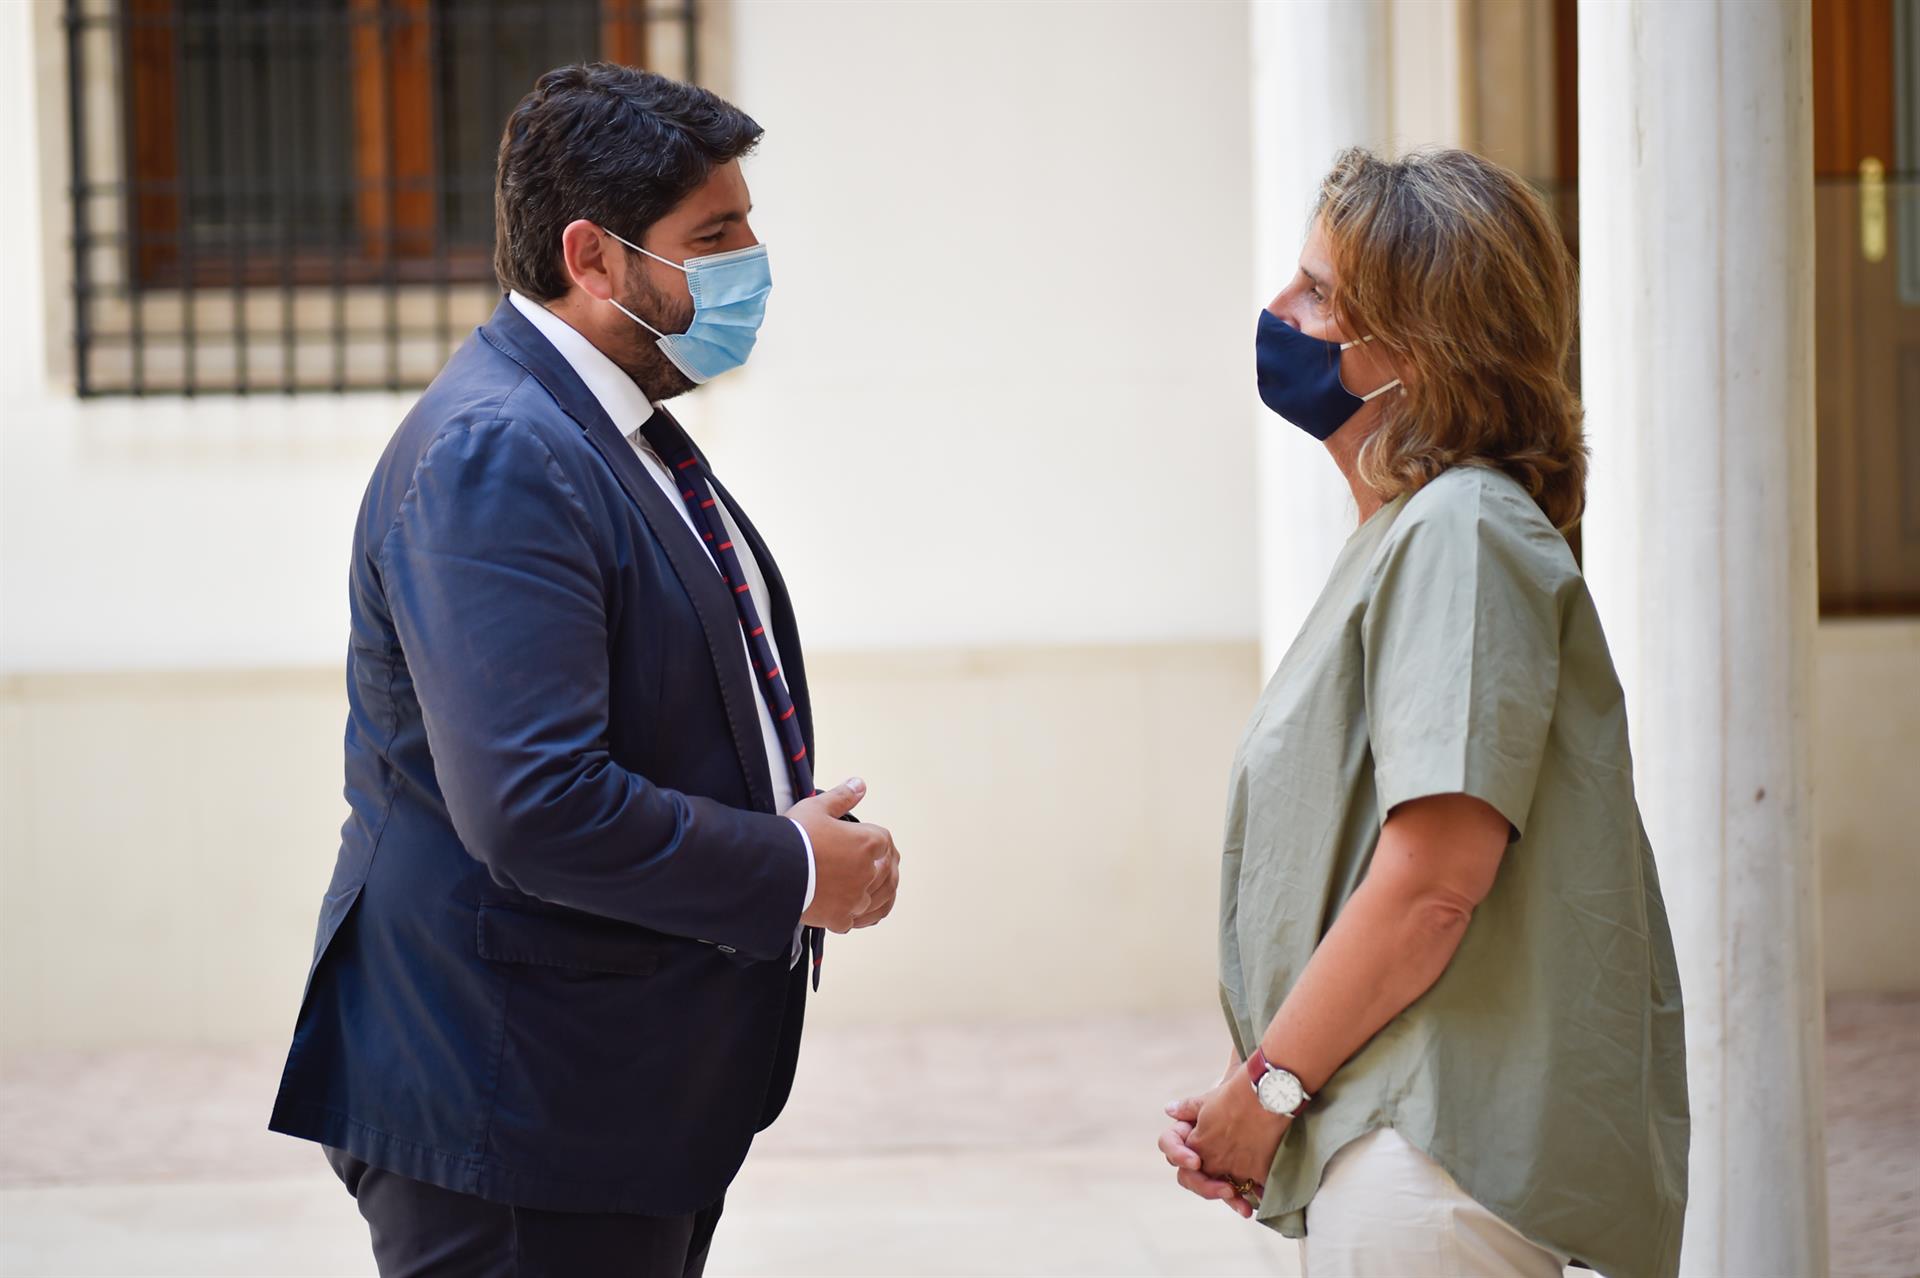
x: 1279, y: 1090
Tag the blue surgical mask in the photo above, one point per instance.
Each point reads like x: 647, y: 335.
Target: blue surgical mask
x: 729, y: 300
x: 1300, y: 377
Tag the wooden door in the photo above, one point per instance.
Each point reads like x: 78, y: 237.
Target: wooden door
x: 1867, y: 324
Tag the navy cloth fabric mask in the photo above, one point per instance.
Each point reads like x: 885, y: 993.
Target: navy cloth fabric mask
x: 1300, y: 377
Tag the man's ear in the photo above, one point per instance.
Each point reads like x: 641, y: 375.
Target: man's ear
x: 584, y: 249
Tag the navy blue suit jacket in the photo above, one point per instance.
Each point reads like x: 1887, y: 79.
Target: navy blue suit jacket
x: 552, y: 967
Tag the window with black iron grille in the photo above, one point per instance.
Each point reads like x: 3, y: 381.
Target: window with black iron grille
x: 297, y: 195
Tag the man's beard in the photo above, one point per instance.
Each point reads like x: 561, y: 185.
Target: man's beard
x: 656, y: 375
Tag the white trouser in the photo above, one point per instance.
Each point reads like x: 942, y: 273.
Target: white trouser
x: 1386, y: 1210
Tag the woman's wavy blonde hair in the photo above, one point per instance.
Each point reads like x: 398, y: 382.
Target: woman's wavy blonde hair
x: 1456, y: 265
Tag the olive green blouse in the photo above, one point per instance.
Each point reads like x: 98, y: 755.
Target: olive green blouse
x: 1455, y: 649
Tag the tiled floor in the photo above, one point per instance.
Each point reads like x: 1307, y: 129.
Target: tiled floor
x: 945, y: 1150
x: 1873, y: 1137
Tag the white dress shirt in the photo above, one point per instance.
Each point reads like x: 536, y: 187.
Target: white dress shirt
x: 629, y: 410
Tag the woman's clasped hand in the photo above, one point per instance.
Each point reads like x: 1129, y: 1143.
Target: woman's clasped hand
x: 1222, y: 1142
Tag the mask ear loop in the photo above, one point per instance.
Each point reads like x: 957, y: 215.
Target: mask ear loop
x: 1377, y: 392
x: 635, y: 318
x: 656, y: 257
x: 1367, y: 398
x: 667, y: 260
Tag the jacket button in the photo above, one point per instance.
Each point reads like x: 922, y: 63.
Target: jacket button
x: 728, y: 949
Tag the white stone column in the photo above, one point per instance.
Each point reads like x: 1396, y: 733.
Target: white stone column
x: 1430, y: 67
x: 1327, y: 75
x: 1696, y: 222
x: 1312, y: 96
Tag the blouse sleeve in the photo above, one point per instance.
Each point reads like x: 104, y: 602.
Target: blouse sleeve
x: 1461, y: 637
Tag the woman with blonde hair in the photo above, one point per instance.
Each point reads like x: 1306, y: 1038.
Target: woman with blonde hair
x: 1444, y: 959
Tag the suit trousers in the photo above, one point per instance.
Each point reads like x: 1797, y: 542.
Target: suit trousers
x: 1386, y: 1210
x: 424, y: 1231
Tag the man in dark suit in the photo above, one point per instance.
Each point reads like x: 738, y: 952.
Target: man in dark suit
x: 561, y: 968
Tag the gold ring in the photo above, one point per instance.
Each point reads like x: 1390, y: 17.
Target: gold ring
x: 1247, y: 1189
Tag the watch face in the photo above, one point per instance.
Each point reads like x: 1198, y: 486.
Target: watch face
x: 1280, y: 1092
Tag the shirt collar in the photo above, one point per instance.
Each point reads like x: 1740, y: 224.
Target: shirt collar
x: 625, y: 404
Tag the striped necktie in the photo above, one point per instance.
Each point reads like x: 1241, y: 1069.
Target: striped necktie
x: 676, y: 452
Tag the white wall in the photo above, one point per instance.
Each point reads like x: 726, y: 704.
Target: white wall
x: 154, y: 533
x: 1010, y: 244
x: 1010, y: 249
x: 1866, y: 749
x: 164, y: 838
x: 1013, y: 248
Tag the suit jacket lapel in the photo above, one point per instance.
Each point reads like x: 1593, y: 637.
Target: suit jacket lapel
x: 510, y: 333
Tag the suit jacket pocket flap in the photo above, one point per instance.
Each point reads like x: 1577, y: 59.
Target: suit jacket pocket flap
x: 582, y: 943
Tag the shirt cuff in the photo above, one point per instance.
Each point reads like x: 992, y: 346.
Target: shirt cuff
x: 807, y: 902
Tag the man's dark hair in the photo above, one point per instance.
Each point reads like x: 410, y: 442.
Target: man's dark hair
x: 612, y: 144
